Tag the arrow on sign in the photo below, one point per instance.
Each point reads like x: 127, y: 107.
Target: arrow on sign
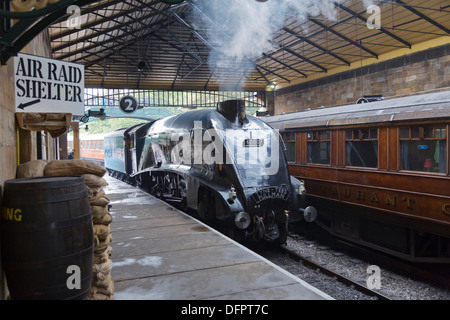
x: 24, y: 105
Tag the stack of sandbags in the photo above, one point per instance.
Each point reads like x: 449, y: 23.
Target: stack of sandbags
x: 102, y: 285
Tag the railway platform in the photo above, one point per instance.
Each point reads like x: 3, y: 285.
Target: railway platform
x: 161, y: 253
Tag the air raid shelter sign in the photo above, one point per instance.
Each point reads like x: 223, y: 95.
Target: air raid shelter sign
x: 48, y: 85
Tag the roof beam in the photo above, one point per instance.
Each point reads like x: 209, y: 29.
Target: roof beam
x: 316, y: 45
x: 284, y: 64
x: 305, y: 59
x: 95, y: 44
x: 356, y: 44
x: 275, y: 74
x: 360, y: 17
x: 209, y: 78
x: 186, y: 47
x: 421, y: 15
x: 262, y: 75
x: 113, y: 50
x: 188, y: 50
x: 97, y: 22
x: 192, y: 30
x: 112, y: 29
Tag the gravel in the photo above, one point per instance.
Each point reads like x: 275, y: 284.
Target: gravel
x: 391, y: 285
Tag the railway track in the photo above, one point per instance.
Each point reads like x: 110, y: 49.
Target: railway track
x: 339, y: 277
x: 343, y: 276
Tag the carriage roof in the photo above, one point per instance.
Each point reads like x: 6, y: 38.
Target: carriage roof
x: 419, y: 107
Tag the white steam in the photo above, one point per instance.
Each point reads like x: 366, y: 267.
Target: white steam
x: 242, y: 30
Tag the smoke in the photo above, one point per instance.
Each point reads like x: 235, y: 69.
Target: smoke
x: 242, y: 30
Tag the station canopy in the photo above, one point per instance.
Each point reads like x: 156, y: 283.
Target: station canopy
x: 212, y: 44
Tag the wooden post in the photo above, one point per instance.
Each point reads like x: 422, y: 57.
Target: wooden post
x: 27, y: 147
x: 270, y: 102
x: 62, y: 142
x: 76, y: 139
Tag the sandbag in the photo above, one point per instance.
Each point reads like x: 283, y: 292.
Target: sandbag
x: 73, y: 167
x: 102, y: 231
x: 100, y: 271
x: 103, y: 256
x: 98, y: 213
x: 98, y: 195
x: 109, y: 290
x: 93, y: 192
x: 102, y: 283
x: 103, y: 245
x: 99, y: 201
x: 34, y: 168
x: 100, y: 296
x: 107, y: 219
x: 95, y: 182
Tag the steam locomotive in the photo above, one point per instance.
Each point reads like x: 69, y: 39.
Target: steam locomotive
x: 227, y: 166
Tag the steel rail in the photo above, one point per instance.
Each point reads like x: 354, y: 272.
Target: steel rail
x: 361, y: 288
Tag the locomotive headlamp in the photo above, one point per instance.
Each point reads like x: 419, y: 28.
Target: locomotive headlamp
x: 301, y: 188
x: 242, y: 220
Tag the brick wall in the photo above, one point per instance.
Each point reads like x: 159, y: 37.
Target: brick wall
x: 420, y: 72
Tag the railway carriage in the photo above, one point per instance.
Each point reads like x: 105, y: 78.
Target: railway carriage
x: 378, y: 173
x: 91, y: 147
x: 123, y: 150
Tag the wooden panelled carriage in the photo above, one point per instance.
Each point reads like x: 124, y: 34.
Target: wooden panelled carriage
x: 378, y: 173
x: 91, y: 148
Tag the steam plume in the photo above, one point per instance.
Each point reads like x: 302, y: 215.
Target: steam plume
x: 241, y: 30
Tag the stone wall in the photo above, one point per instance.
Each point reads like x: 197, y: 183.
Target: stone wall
x: 420, y: 72
x: 39, y: 46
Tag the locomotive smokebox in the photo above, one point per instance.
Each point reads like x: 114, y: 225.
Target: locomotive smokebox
x: 233, y: 110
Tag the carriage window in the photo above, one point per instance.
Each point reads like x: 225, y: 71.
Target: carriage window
x: 318, y: 145
x: 424, y: 149
x: 289, y: 142
x: 362, y: 148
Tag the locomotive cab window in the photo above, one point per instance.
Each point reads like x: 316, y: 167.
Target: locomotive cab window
x: 289, y: 142
x: 318, y: 144
x: 424, y: 149
x: 362, y: 148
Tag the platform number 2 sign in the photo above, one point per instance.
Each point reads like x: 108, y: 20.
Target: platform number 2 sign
x: 128, y: 104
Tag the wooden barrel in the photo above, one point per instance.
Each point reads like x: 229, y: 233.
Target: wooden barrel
x: 47, y: 240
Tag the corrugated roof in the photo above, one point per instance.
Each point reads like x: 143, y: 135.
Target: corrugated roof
x: 174, y: 49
